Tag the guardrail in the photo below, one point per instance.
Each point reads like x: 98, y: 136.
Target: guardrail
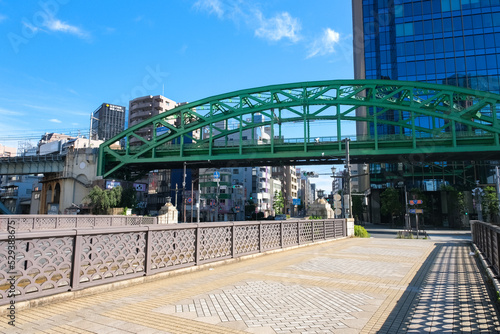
x: 49, y: 222
x: 50, y: 262
x: 487, y: 239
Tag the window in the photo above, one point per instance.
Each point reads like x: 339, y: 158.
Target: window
x: 445, y: 5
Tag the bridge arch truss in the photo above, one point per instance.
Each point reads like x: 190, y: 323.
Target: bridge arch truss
x: 252, y: 126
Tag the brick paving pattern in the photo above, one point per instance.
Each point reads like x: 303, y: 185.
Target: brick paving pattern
x: 344, y: 286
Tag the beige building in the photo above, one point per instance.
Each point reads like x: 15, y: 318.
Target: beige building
x: 142, y: 108
x: 287, y: 175
x: 63, y: 191
x: 6, y: 151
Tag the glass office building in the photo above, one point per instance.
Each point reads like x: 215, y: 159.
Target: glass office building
x: 453, y: 42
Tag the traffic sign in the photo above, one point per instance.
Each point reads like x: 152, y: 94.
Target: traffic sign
x: 337, y: 197
x: 415, y: 201
x: 189, y: 200
x: 338, y: 212
x: 416, y: 211
x: 216, y: 175
x: 337, y: 204
x: 296, y: 201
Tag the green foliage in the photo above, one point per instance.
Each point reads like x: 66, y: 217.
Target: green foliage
x: 357, y: 206
x: 102, y: 200
x: 129, y: 198
x: 249, y: 208
x: 360, y: 232
x: 391, y: 204
x: 315, y: 217
x: 490, y: 203
x: 404, y: 235
x: 279, y: 202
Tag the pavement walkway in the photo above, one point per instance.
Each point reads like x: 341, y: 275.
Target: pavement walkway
x: 344, y: 286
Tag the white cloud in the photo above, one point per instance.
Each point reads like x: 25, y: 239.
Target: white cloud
x: 325, y: 44
x: 10, y: 112
x: 31, y: 27
x: 57, y: 25
x: 55, y: 120
x: 276, y: 28
x: 211, y: 6
x: 75, y: 124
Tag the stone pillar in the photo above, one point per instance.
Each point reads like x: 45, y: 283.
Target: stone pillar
x: 350, y: 227
x: 168, y: 214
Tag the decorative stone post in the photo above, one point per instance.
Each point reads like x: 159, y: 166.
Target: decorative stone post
x: 321, y: 208
x: 168, y: 214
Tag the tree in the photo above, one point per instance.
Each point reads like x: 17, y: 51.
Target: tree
x: 249, y: 209
x: 129, y: 198
x: 357, y: 206
x: 391, y: 205
x: 490, y: 204
x: 102, y: 200
x: 279, y: 202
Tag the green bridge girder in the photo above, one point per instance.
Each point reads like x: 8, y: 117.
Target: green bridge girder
x: 430, y: 122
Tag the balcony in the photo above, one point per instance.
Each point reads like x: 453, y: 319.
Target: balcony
x: 141, y: 105
x: 9, y: 193
x: 140, y: 114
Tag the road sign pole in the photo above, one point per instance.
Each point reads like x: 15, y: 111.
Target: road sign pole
x: 416, y: 218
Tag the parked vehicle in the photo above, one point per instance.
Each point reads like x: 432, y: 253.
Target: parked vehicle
x: 280, y: 217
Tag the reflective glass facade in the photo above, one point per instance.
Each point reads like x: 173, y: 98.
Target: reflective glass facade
x: 455, y: 42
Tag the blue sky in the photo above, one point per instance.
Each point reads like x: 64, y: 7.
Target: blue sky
x: 62, y: 58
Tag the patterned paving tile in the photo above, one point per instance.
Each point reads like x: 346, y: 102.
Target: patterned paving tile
x: 354, y: 266
x: 277, y: 305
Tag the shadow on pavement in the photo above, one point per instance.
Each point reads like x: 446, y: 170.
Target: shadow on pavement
x: 449, y: 294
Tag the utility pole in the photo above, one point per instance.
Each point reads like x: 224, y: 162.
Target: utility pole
x: 348, y: 179
x: 199, y: 201
x: 184, y: 192
x: 192, y: 199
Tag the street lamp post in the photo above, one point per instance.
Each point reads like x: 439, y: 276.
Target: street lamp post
x: 347, y: 184
x: 90, y: 131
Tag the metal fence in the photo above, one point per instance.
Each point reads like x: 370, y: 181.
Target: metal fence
x: 50, y: 222
x: 49, y: 262
x: 487, y: 238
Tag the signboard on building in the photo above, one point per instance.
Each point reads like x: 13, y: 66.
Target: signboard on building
x: 161, y: 130
x: 140, y: 187
x: 296, y: 201
x: 53, y: 209
x: 112, y: 184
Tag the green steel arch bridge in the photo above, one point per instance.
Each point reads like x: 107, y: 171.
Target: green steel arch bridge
x: 305, y: 123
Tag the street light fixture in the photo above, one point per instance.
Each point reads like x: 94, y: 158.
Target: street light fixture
x: 90, y: 131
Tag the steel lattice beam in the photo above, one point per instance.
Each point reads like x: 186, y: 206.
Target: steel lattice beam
x: 464, y: 122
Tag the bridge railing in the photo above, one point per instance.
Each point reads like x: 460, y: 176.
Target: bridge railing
x: 49, y: 222
x: 221, y: 143
x: 487, y: 239
x: 50, y: 262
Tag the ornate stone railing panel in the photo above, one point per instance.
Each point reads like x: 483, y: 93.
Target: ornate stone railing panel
x: 52, y: 222
x: 46, y: 262
x: 246, y: 239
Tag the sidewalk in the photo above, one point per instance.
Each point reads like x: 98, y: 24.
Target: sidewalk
x: 345, y: 286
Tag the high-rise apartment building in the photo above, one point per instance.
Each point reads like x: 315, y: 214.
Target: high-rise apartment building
x: 453, y: 42
x: 145, y: 107
x: 107, y: 121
